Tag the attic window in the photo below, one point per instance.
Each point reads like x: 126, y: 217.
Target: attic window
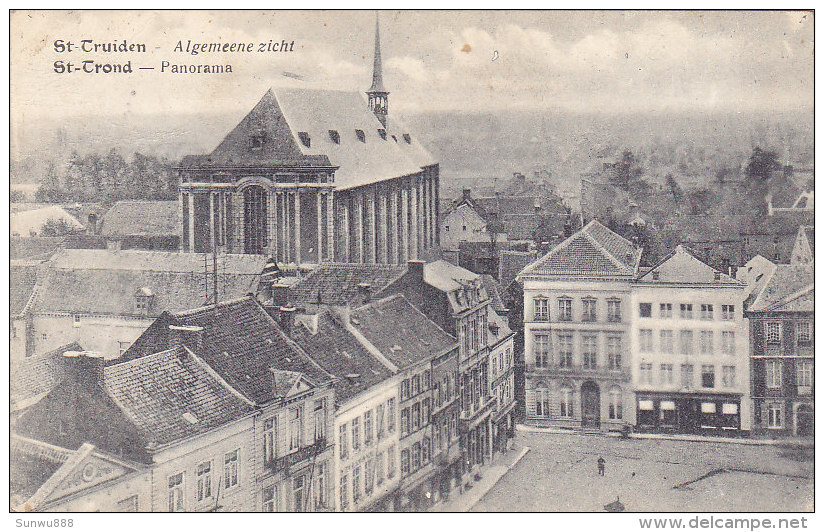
x: 334, y: 135
x: 382, y: 133
x: 656, y: 275
x: 189, y: 417
x: 256, y: 141
x: 304, y: 139
x: 360, y: 134
x: 407, y: 138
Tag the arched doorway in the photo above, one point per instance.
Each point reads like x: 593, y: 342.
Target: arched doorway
x: 590, y: 405
x: 805, y: 421
x: 254, y: 219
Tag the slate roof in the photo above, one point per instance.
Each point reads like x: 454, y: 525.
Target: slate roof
x: 401, y: 332
x: 178, y: 281
x: 497, y: 327
x: 592, y: 251
x: 337, y: 283
x: 283, y: 113
x: 35, y: 376
x: 155, y: 391
x: 682, y: 266
x: 22, y: 279
x: 447, y: 277
x: 789, y: 288
x: 144, y: 218
x: 240, y: 342
x: 338, y: 352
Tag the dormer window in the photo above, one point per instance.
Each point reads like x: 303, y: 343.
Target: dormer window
x: 382, y: 133
x: 360, y: 134
x: 394, y: 138
x: 334, y: 135
x: 656, y: 276
x: 256, y: 141
x: 304, y: 139
x: 408, y: 138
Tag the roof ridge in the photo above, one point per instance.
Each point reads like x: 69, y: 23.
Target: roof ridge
x: 205, y: 308
x: 214, y: 374
x: 791, y: 297
x: 600, y: 247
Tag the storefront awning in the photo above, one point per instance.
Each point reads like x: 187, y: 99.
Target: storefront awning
x: 667, y: 405
x: 645, y: 404
x: 708, y: 408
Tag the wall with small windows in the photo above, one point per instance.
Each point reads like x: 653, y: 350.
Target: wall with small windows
x: 688, y: 340
x: 212, y: 471
x: 101, y: 334
x: 366, y: 456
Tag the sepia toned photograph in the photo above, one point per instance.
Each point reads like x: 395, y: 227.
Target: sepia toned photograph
x: 413, y: 261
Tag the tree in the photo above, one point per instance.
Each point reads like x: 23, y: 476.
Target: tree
x: 761, y: 165
x: 626, y: 172
x: 58, y: 227
x: 672, y: 184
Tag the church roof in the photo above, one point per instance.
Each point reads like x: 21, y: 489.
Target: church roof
x: 592, y: 251
x: 321, y: 128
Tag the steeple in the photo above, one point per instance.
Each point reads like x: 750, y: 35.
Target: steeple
x: 378, y: 96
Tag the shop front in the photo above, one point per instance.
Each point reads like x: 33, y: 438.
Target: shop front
x: 689, y: 413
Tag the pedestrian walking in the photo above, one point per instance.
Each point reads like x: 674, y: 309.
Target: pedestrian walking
x: 601, y: 465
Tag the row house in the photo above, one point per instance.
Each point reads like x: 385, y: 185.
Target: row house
x: 689, y: 348
x: 502, y: 380
x: 160, y: 433
x: 139, y: 285
x: 366, y: 465
x: 781, y: 313
x: 456, y: 300
x: 576, y: 332
x: 291, y: 455
x: 413, y: 347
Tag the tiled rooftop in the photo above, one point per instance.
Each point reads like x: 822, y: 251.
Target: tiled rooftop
x: 402, y: 333
x: 790, y: 287
x: 34, y: 377
x: 337, y: 283
x: 148, y: 218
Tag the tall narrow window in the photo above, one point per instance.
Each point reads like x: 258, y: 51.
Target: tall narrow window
x: 565, y: 309
x: 269, y: 441
x: 772, y: 332
x: 320, y: 420
x: 230, y: 469
x: 665, y: 338
x: 614, y: 310
x: 541, y: 309
x: 727, y: 312
x: 708, y: 376
x: 589, y: 349
x: 204, y: 480
x: 390, y: 414
x: 686, y: 342
x: 542, y: 347
x: 706, y: 311
x: 804, y: 373
x: 356, y: 434
x: 666, y: 374
x: 269, y: 504
x: 728, y: 376
x: 616, y: 406
x: 542, y: 402
x: 565, y: 350
x: 686, y: 375
x: 803, y: 332
x: 728, y: 342
x: 295, y: 428
x: 343, y: 441
x: 665, y: 310
x: 380, y: 421
x: 255, y: 220
x: 566, y: 401
x: 367, y: 428
x: 614, y: 351
x: 686, y: 311
x: 176, y: 493
x: 646, y: 373
x: 590, y: 309
x: 773, y: 374
x: 707, y: 342
x: 645, y: 338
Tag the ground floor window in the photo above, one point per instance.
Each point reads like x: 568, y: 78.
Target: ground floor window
x: 542, y: 403
x: 616, y: 407
x: 298, y: 495
x: 646, y: 412
x: 775, y: 419
x: 667, y: 414
x: 566, y: 401
x: 269, y: 504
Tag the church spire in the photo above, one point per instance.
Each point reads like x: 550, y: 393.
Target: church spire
x: 378, y: 95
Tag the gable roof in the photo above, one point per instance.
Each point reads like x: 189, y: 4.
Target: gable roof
x: 683, y: 267
x: 340, y: 353
x: 78, y: 277
x: 144, y: 218
x: 240, y: 342
x: 34, y: 377
x: 337, y: 283
x: 157, y: 392
x: 401, y: 332
x: 789, y: 288
x: 592, y: 251
x: 283, y: 113
x: 511, y: 263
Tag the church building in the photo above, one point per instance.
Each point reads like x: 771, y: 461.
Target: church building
x: 310, y: 176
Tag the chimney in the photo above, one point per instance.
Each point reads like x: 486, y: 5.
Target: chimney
x: 113, y: 245
x: 92, y: 227
x: 280, y: 295
x: 415, y: 270
x: 467, y: 194
x: 190, y: 336
x: 85, y: 368
x: 287, y: 319
x: 365, y: 292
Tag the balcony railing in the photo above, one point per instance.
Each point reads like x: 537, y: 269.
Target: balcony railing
x: 303, y: 453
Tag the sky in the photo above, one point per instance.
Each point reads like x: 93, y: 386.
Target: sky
x: 593, y: 61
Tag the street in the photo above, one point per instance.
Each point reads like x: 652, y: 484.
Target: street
x: 560, y: 474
